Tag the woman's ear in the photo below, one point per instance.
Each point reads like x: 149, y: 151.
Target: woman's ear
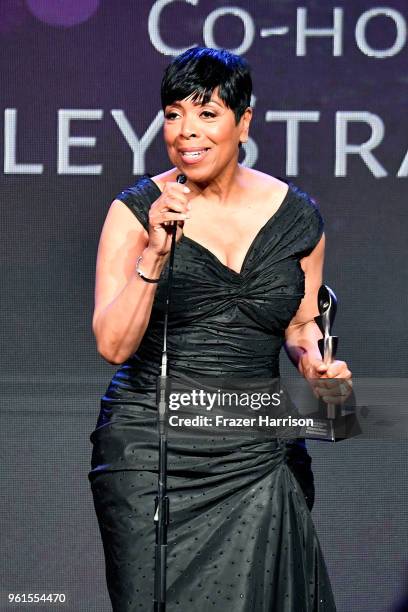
x: 245, y: 122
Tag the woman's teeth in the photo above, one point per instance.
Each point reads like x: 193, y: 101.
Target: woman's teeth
x: 193, y: 153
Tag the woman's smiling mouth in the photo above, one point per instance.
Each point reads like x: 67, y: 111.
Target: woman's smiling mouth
x: 193, y: 155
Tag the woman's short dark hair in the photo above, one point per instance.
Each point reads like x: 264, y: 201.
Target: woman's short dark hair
x: 198, y: 71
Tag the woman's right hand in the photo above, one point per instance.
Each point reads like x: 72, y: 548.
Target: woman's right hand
x: 172, y: 205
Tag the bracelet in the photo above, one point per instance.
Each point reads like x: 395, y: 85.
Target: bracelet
x: 142, y: 274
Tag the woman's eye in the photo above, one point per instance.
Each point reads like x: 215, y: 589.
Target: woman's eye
x: 208, y: 114
x: 170, y: 115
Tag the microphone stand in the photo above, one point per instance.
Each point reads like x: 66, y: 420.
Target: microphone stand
x: 162, y: 506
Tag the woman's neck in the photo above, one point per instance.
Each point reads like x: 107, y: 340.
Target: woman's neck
x: 225, y: 188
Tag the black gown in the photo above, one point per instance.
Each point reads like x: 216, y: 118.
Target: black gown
x: 241, y: 536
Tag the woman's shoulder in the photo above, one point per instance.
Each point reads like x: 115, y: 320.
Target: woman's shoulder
x: 264, y: 184
x: 143, y: 187
x: 300, y: 210
x: 161, y: 179
x: 139, y: 197
x: 267, y: 183
x: 275, y: 190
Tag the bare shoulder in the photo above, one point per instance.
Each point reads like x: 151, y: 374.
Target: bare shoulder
x: 164, y: 177
x: 265, y: 185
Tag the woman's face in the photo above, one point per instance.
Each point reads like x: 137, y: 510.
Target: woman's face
x: 202, y: 140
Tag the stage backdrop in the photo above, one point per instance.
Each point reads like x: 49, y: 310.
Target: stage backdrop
x: 81, y: 120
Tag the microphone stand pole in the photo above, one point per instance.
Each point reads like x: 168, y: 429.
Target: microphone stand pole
x: 162, y: 507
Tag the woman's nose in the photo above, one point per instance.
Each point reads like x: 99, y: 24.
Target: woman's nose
x: 189, y: 127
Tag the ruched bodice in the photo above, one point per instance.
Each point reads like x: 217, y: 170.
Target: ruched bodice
x: 222, y: 322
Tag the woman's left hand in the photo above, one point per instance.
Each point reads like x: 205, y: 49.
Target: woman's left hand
x: 316, y: 368
x: 330, y: 381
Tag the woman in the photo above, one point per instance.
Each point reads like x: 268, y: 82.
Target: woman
x: 247, y: 269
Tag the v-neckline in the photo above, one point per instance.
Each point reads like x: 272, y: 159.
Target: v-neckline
x: 239, y: 274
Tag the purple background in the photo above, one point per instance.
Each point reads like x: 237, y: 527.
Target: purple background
x: 98, y: 55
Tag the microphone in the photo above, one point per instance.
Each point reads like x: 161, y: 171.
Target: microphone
x: 181, y: 178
